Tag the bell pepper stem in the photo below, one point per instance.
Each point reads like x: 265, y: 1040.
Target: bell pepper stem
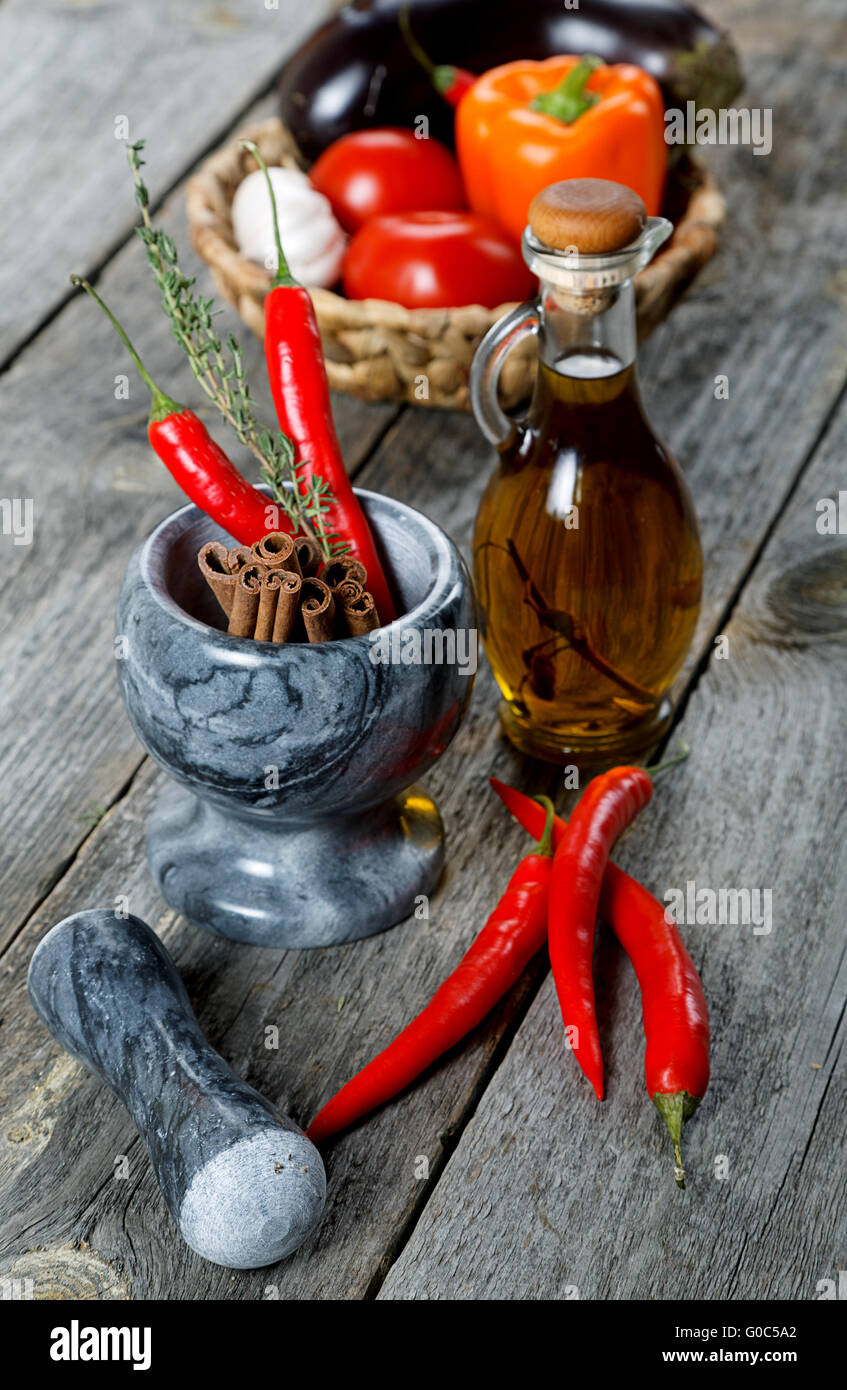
x: 570, y: 100
x: 283, y: 274
x: 161, y: 405
x: 545, y: 844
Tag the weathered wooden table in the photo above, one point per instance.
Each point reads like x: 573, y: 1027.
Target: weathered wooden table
x: 498, y: 1175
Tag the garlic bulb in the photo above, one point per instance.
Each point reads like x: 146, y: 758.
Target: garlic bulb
x: 312, y: 240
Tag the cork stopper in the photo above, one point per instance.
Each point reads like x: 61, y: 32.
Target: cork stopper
x: 594, y: 215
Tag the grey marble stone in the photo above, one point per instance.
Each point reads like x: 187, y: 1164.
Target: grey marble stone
x: 244, y: 1184
x: 294, y: 821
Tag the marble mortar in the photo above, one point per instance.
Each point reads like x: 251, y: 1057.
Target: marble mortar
x: 294, y: 821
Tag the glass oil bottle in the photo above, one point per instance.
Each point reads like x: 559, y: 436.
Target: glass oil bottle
x: 586, y: 549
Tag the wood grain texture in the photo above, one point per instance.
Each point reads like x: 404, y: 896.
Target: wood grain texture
x: 179, y: 73
x: 63, y: 1133
x: 773, y: 321
x: 375, y: 1190
x: 549, y: 1191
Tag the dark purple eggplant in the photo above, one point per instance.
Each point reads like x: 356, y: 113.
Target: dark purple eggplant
x: 356, y: 71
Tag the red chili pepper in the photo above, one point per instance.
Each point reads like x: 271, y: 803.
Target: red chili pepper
x: 673, y: 1006
x: 456, y: 82
x: 676, y: 1019
x: 451, y: 82
x: 514, y: 932
x: 200, y: 466
x: 300, y: 389
x: 605, y: 809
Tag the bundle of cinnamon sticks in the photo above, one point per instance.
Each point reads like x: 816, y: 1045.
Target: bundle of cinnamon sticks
x: 279, y: 590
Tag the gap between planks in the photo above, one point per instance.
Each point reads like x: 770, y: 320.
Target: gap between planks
x: 451, y: 1136
x: 88, y: 71
x: 539, y: 973
x: 735, y: 597
x: 96, y: 829
x: 765, y: 1110
x: 697, y: 316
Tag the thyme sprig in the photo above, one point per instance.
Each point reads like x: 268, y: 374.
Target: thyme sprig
x: 218, y: 367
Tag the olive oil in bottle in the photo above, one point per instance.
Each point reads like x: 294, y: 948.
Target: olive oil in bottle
x: 586, y: 550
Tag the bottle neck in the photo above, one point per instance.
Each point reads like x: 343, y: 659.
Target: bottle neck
x: 587, y: 334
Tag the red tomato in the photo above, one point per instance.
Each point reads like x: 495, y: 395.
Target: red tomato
x: 372, y: 172
x: 435, y: 260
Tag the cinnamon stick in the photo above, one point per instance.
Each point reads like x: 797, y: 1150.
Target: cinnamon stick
x: 360, y: 615
x: 336, y: 571
x: 245, y: 603
x: 309, y: 555
x: 318, y: 610
x: 213, y: 559
x: 346, y: 591
x: 344, y: 594
x: 262, y: 591
x: 276, y: 550
x: 287, y: 603
x: 240, y: 556
x: 266, y: 615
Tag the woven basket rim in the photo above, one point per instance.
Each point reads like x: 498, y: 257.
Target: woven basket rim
x: 218, y: 249
x: 386, y: 334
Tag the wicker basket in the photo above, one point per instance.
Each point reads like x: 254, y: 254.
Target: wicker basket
x: 380, y: 351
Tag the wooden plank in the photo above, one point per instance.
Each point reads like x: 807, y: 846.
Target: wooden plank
x: 801, y: 335
x: 180, y: 74
x: 239, y: 992
x: 774, y: 28
x: 62, y: 1132
x: 97, y: 488
x: 547, y: 1189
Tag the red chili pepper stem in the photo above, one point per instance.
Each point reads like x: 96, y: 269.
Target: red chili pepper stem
x: 684, y: 752
x: 283, y: 273
x: 675, y: 1110
x: 417, y: 51
x: 545, y: 844
x: 443, y: 76
x: 161, y: 405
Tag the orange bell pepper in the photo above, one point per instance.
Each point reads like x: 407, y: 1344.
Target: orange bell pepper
x: 526, y: 125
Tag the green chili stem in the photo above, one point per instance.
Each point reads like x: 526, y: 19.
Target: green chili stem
x: 412, y: 44
x: 681, y: 756
x: 283, y: 273
x: 162, y: 405
x: 675, y: 1110
x: 545, y: 844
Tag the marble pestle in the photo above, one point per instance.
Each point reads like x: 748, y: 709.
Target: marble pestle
x: 244, y: 1184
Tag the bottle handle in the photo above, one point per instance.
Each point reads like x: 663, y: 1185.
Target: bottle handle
x: 487, y: 364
